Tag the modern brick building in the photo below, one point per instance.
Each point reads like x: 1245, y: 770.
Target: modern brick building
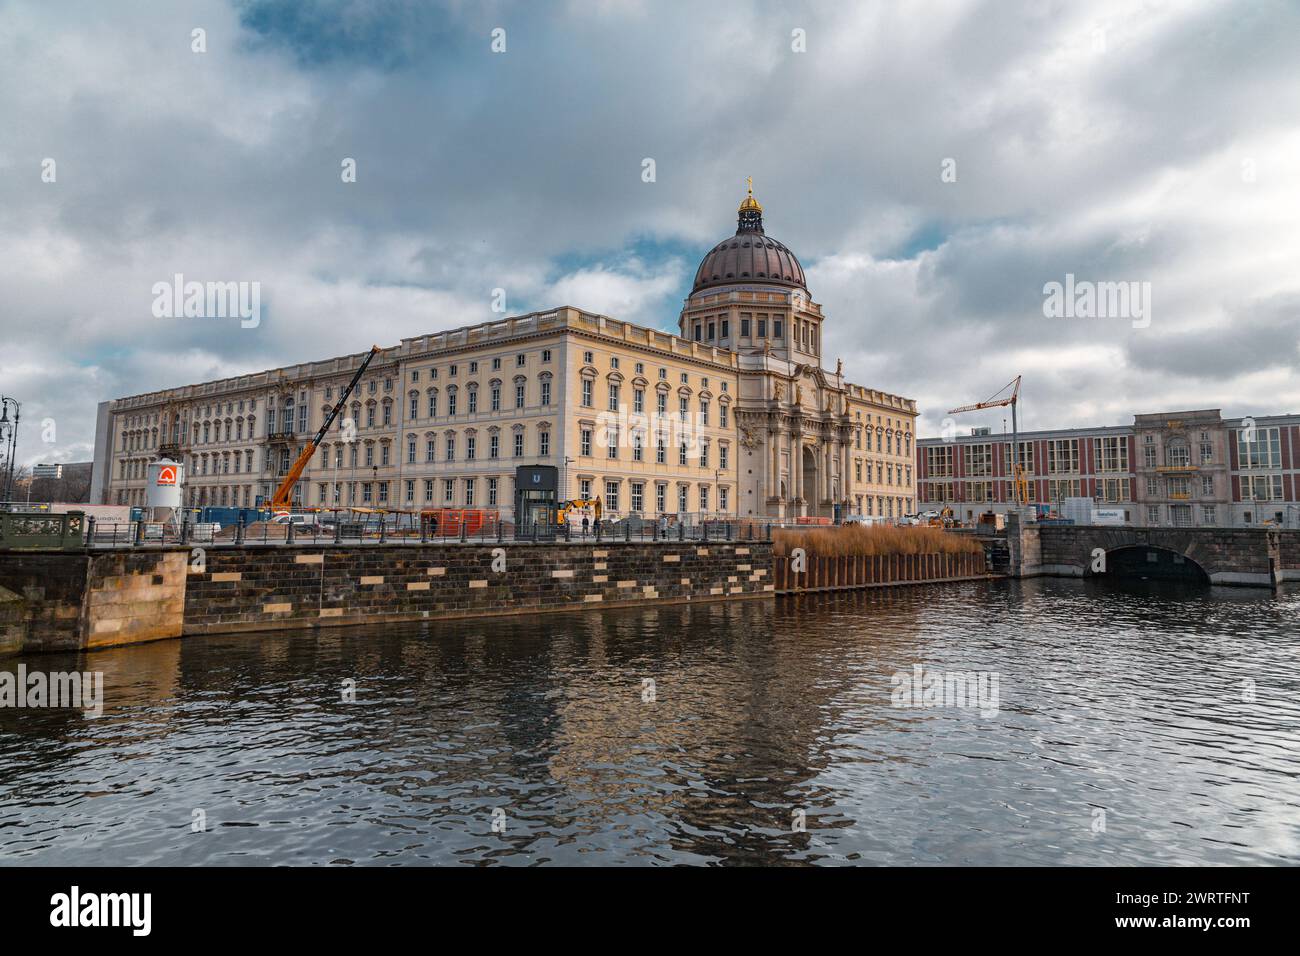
x: 1168, y: 469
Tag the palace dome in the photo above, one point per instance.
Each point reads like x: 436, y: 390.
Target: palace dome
x: 750, y: 256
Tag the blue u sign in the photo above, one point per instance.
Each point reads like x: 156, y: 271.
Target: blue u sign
x: 537, y: 478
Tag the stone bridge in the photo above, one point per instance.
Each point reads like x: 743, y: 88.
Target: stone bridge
x: 1242, y: 556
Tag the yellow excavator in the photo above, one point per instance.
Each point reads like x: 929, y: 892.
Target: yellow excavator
x: 280, y: 501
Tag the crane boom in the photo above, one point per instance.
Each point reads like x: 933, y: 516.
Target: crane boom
x: 1019, y: 484
x: 280, y: 500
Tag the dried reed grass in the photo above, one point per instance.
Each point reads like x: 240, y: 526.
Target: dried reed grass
x: 858, y: 539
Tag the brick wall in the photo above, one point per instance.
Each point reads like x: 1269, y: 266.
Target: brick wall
x: 254, y: 588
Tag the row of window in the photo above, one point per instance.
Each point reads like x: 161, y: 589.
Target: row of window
x: 884, y: 472
x: 639, y: 452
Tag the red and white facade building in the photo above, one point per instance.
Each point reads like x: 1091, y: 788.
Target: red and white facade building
x: 1175, y: 469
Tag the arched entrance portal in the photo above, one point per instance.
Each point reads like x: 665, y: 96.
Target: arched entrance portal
x: 1147, y: 562
x: 810, y: 496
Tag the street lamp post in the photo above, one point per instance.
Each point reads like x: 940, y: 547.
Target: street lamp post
x: 11, y: 428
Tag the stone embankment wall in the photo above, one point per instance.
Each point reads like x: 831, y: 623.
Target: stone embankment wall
x: 240, y: 589
x: 59, y: 601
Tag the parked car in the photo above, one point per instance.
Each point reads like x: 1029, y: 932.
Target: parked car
x: 308, y: 522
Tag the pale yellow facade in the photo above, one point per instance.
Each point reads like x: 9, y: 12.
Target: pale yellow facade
x: 734, y: 415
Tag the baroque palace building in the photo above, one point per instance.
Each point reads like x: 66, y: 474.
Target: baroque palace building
x: 734, y: 415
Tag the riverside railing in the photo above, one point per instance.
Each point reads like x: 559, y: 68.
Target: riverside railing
x: 628, y: 528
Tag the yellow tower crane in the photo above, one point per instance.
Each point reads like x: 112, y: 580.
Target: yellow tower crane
x: 1020, y: 487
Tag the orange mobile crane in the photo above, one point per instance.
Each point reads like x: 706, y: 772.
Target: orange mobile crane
x: 1019, y: 485
x: 280, y: 500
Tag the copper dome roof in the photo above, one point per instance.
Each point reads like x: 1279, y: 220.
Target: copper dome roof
x: 749, y: 256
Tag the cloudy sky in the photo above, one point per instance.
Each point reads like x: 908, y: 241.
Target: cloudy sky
x: 1150, y: 142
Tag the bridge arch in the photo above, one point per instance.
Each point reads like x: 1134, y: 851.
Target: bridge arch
x: 1153, y: 562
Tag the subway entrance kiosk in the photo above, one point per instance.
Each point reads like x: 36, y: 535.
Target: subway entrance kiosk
x: 535, y: 500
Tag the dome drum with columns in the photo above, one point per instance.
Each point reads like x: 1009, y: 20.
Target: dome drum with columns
x: 813, y: 444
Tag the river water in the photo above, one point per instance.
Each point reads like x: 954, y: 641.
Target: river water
x: 1136, y: 725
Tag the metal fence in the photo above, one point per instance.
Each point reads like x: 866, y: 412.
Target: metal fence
x: 377, y: 531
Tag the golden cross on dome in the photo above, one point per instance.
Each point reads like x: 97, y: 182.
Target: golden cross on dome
x: 749, y: 182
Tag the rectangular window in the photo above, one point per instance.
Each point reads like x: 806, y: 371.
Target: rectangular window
x: 428, y: 490
x: 611, y: 496
x: 612, y: 450
x: 660, y: 495
x: 723, y: 499
x: 638, y: 400
x: 451, y: 448
x: 1263, y: 450
x: 1063, y: 457
x: 471, y: 447
x: 979, y: 460
x: 1110, y: 454
x: 546, y: 393
x: 410, y: 451
x: 586, y: 393
x: 938, y: 461
x: 638, y: 494
x: 543, y: 443
x: 722, y: 457
x: 722, y: 416
x: 473, y: 402
x: 428, y: 449
x: 433, y: 404
x: 451, y: 403
x: 519, y: 395
x: 519, y: 444
x: 494, y: 446
x: 744, y: 326
x: 469, y: 492
x: 584, y: 445
x: 613, y: 398
x: 448, y: 490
